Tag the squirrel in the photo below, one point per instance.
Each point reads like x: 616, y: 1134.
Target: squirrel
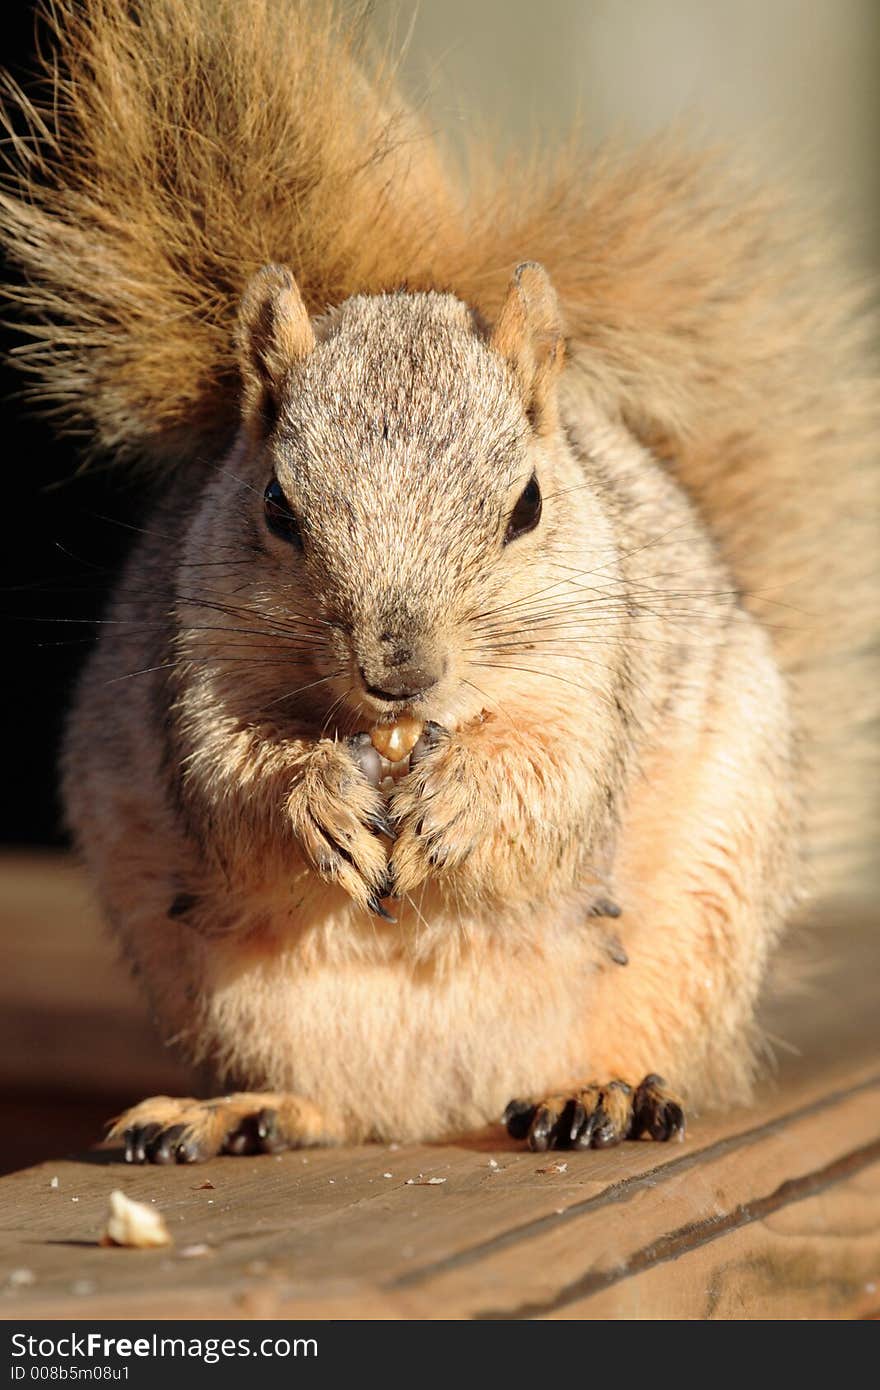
x: 564, y: 474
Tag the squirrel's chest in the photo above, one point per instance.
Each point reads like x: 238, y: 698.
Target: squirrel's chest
x: 398, y: 1049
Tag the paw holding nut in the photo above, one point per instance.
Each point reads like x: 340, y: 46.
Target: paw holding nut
x: 389, y: 751
x: 340, y: 816
x: 438, y: 810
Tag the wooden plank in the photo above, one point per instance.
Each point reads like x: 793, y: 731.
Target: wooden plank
x: 774, y: 1208
x: 818, y: 1257
x: 721, y: 1191
x: 327, y: 1231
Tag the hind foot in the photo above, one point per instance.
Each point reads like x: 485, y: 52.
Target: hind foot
x: 596, y: 1116
x: 165, y: 1129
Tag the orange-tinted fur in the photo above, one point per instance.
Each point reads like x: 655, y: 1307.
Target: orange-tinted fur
x: 633, y: 697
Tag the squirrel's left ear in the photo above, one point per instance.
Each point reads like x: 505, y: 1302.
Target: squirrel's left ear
x: 528, y: 334
x: 274, y: 332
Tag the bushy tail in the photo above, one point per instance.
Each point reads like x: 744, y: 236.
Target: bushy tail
x: 184, y: 143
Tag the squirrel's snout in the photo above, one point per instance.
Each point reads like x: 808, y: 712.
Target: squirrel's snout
x: 394, y: 683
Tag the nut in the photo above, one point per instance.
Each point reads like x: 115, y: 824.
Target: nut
x: 396, y: 741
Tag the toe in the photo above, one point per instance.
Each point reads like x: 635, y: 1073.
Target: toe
x: 162, y: 1147
x: 244, y: 1138
x: 137, y: 1137
x: 363, y: 754
x: 551, y: 1124
x: 192, y: 1150
x: 268, y: 1133
x: 518, y: 1118
x: 613, y: 1116
x: 657, y: 1112
x: 541, y: 1129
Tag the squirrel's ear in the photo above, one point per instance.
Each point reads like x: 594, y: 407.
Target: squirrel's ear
x: 529, y: 334
x: 274, y: 331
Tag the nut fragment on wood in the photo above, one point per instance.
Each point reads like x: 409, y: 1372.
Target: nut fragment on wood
x: 396, y: 741
x: 134, y: 1224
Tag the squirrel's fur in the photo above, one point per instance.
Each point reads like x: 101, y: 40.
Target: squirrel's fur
x: 710, y: 338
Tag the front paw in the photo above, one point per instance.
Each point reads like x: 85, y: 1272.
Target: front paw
x: 437, y: 810
x: 337, y: 815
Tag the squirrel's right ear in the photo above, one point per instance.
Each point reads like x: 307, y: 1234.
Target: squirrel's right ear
x: 274, y: 332
x: 528, y: 334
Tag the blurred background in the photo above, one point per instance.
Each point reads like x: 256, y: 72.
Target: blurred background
x: 793, y: 82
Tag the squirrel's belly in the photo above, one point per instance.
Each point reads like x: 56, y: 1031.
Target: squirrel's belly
x: 397, y: 1050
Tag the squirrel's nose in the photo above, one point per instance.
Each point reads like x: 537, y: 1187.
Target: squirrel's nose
x: 398, y: 682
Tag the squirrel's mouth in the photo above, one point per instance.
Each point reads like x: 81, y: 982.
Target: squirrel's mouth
x: 391, y: 696
x: 385, y: 697
x: 388, y: 697
x: 402, y: 687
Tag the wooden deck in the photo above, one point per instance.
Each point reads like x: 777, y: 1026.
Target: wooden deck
x: 767, y: 1213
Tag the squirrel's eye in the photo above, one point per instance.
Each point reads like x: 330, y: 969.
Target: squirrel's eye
x: 280, y: 517
x: 527, y: 512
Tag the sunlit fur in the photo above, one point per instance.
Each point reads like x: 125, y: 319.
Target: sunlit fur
x: 619, y: 731
x: 617, y: 683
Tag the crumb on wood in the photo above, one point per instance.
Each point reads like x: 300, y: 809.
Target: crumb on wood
x: 134, y: 1225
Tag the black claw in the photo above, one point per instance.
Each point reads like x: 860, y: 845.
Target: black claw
x: 655, y: 1114
x: 677, y: 1124
x: 267, y: 1122
x: 380, y: 824
x: 269, y: 1140
x: 518, y: 1117
x: 136, y: 1140
x: 585, y: 1134
x: 541, y: 1134
x: 387, y: 888
x: 616, y: 949
x: 375, y: 906
x: 667, y: 1122
x: 603, y: 1131
x: 245, y: 1139
x: 563, y: 1125
x: 578, y: 1122
x: 604, y: 907
x: 163, y: 1148
x: 188, y: 1151
x: 431, y: 735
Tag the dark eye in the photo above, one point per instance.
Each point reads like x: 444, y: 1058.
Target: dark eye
x: 280, y: 518
x: 527, y: 512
